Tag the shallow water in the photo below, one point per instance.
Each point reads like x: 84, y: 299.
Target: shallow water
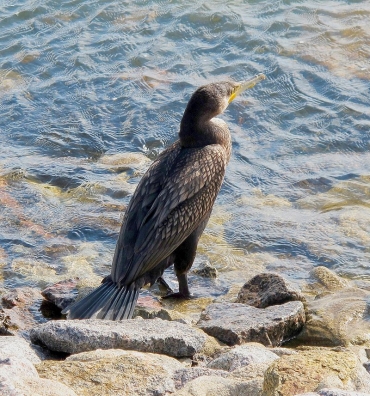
x: 92, y: 91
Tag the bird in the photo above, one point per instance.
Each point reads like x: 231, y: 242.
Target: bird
x: 170, y: 207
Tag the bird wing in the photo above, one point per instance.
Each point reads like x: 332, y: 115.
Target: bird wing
x: 173, y: 197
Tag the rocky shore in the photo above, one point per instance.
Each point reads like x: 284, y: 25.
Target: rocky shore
x: 266, y: 339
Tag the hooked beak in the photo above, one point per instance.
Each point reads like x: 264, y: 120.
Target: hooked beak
x: 243, y: 85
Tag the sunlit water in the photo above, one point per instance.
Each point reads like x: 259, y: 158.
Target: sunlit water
x: 92, y: 91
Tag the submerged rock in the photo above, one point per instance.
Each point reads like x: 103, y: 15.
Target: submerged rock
x: 339, y: 314
x: 265, y: 290
x: 114, y: 372
x: 234, y: 323
x: 327, y: 279
x: 154, y: 335
x: 314, y: 369
x: 206, y: 270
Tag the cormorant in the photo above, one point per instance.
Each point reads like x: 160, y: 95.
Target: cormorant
x: 170, y: 207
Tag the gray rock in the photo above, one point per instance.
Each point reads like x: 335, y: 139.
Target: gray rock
x: 62, y: 293
x: 265, y: 290
x: 234, y: 323
x: 334, y: 392
x: 154, y: 335
x: 219, y: 386
x: 184, y: 375
x: 340, y: 392
x: 17, y: 347
x: 243, y: 355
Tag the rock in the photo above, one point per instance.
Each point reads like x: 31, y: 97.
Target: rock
x: 14, y: 320
x: 206, y: 270
x: 265, y: 290
x: 155, y: 335
x: 17, y: 347
x: 283, y: 351
x: 327, y: 279
x: 150, y: 308
x: 185, y: 375
x: 217, y: 386
x: 18, y: 377
x: 243, y: 355
x: 337, y: 319
x: 334, y: 392
x: 235, y: 323
x: 314, y: 369
x: 340, y: 392
x: 62, y: 293
x: 15, y: 313
x: 114, y: 372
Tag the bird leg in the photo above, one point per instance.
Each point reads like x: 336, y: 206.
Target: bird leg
x: 183, y: 288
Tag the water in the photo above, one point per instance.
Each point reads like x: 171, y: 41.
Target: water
x: 92, y: 91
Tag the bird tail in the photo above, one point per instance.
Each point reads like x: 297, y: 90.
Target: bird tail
x: 108, y: 301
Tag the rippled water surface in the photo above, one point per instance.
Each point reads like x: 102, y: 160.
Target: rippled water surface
x: 92, y: 91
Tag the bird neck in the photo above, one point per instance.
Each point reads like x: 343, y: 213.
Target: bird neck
x: 200, y: 132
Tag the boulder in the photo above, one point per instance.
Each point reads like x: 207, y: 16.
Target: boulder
x: 154, y: 335
x: 265, y: 290
x: 114, y: 372
x: 235, y: 323
x: 315, y: 368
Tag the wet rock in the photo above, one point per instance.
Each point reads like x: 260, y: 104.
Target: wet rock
x: 265, y: 290
x: 327, y: 279
x: 15, y: 313
x: 337, y: 318
x: 62, y: 293
x: 235, y: 323
x: 150, y: 308
x: 114, y: 372
x: 243, y: 355
x: 14, y: 320
x: 217, y: 386
x: 155, y: 335
x: 314, y: 369
x: 18, y: 377
x: 19, y: 348
x: 206, y: 270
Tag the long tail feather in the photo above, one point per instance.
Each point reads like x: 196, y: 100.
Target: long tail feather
x: 105, y: 302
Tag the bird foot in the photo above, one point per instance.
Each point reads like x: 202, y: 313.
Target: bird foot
x: 178, y: 295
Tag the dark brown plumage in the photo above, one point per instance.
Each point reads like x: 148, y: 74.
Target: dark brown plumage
x: 170, y: 207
